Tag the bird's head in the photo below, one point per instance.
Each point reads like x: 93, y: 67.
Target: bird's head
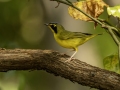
x: 55, y: 27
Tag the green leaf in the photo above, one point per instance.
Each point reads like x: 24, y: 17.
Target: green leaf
x: 111, y: 63
x: 114, y: 11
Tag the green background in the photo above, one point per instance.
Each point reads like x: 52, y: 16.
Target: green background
x: 22, y: 26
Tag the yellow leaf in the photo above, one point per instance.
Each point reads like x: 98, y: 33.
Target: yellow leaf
x: 92, y: 7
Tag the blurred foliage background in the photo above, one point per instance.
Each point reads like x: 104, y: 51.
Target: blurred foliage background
x: 22, y: 26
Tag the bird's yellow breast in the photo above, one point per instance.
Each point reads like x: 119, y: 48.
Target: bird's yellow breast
x: 69, y: 43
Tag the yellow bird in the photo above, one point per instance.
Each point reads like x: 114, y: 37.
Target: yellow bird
x: 67, y: 39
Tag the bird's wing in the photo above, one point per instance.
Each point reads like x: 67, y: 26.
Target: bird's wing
x: 71, y: 35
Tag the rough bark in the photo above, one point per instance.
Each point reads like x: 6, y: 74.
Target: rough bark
x: 54, y: 62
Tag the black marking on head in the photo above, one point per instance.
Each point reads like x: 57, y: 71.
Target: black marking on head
x: 54, y: 27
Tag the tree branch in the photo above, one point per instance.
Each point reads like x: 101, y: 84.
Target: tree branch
x: 54, y: 62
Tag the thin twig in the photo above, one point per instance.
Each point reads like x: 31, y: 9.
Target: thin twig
x: 119, y: 56
x: 112, y: 34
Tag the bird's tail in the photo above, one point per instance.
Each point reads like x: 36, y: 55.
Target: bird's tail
x: 93, y: 35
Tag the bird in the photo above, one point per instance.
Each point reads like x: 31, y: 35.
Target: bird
x: 68, y: 39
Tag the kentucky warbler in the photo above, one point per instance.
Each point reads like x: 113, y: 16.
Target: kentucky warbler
x: 69, y: 39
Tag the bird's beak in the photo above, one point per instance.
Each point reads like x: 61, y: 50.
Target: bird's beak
x: 46, y: 24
